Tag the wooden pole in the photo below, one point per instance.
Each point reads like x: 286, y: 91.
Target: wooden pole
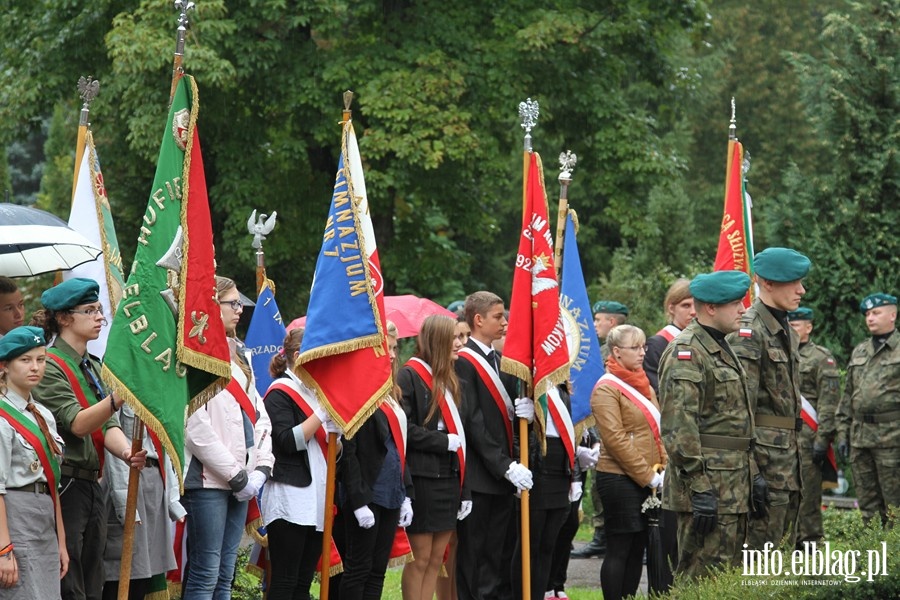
x: 329, y: 516
x: 137, y: 444
x: 566, y: 162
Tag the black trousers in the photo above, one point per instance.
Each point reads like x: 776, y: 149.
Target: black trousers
x: 559, y: 566
x: 366, y: 553
x: 83, y: 508
x: 620, y: 574
x: 485, y: 547
x: 137, y: 589
x: 294, y: 551
x: 544, y: 530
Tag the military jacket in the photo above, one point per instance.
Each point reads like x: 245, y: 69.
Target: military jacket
x: 869, y: 414
x: 703, y: 391
x: 820, y: 385
x: 770, y: 356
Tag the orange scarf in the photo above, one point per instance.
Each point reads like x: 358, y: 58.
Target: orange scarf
x: 636, y: 379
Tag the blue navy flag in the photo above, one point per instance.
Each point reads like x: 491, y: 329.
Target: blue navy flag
x: 264, y: 337
x: 586, y: 365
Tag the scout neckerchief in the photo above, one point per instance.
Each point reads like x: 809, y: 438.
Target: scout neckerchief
x: 449, y: 412
x: 563, y: 421
x: 493, y: 384
x: 669, y: 332
x: 30, y: 431
x: 396, y: 419
x: 287, y: 387
x: 78, y: 383
x: 650, y: 412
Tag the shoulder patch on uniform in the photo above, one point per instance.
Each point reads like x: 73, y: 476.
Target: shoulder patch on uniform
x: 685, y: 354
x: 745, y: 332
x: 830, y: 361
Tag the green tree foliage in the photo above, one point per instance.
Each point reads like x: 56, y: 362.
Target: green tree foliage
x: 844, y: 211
x: 56, y: 184
x: 5, y: 179
x: 437, y: 85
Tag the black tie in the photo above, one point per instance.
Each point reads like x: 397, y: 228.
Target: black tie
x: 492, y: 358
x: 93, y: 379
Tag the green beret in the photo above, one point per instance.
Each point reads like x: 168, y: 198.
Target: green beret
x: 720, y: 287
x: 610, y: 307
x: 71, y: 293
x: 20, y: 340
x: 874, y: 300
x: 781, y: 265
x: 801, y: 314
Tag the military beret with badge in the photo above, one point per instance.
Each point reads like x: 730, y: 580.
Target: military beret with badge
x: 781, y: 265
x: 610, y: 307
x: 20, y: 340
x: 875, y: 300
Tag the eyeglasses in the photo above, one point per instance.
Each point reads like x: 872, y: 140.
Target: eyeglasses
x: 91, y: 312
x: 236, y: 305
x: 634, y: 348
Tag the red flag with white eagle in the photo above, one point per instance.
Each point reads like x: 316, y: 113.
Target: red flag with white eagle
x: 535, y: 349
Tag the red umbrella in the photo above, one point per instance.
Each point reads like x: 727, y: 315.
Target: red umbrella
x: 407, y: 312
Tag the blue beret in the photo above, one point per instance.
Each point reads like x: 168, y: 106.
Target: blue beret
x: 781, y: 265
x: 71, y: 293
x: 456, y: 305
x: 20, y: 340
x: 875, y: 300
x: 801, y: 314
x: 720, y: 287
x: 610, y: 307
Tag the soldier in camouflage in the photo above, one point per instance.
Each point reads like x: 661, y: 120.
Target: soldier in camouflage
x: 707, y: 426
x: 869, y: 412
x: 820, y: 387
x: 769, y: 352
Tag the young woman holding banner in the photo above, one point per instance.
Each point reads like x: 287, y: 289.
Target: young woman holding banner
x: 435, y: 455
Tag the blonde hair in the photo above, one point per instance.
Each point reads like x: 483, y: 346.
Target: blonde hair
x: 223, y: 284
x: 678, y: 293
x: 393, y: 332
x: 434, y: 346
x: 624, y: 336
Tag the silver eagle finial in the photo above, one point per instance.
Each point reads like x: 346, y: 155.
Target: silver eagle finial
x: 259, y: 229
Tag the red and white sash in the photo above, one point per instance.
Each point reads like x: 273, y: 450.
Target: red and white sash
x: 563, y: 421
x: 649, y: 410
x: 669, y: 332
x: 292, y: 390
x: 492, y: 382
x: 811, y: 417
x: 449, y: 412
x: 396, y: 419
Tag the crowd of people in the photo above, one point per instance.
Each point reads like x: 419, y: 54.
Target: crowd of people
x: 728, y: 414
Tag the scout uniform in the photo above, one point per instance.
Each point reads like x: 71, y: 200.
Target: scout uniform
x: 29, y: 474
x: 869, y: 416
x: 769, y: 352
x: 70, y: 382
x: 707, y: 428
x: 820, y: 387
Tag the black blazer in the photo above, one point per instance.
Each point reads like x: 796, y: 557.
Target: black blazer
x: 488, y: 454
x: 426, y: 447
x: 362, y: 460
x: 291, y: 465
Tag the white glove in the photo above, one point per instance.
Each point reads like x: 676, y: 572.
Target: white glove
x: 322, y: 414
x: 465, y: 507
x: 251, y: 490
x: 453, y: 442
x: 519, y: 476
x: 575, y: 491
x: 587, y: 457
x: 525, y: 409
x: 406, y: 513
x: 366, y: 518
x: 657, y: 481
x: 331, y: 427
x: 257, y: 478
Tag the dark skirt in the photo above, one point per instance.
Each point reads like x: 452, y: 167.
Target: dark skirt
x: 435, y: 505
x: 622, y: 499
x: 551, y: 478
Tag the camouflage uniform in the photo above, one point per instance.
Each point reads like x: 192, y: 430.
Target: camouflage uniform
x: 707, y: 428
x: 820, y: 385
x: 769, y: 353
x: 869, y: 419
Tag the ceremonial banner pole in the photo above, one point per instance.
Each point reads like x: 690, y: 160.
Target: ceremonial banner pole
x: 137, y: 440
x: 567, y: 162
x: 332, y: 453
x: 88, y: 89
x: 259, y: 229
x: 528, y: 111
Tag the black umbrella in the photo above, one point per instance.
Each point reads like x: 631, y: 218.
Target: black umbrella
x: 658, y: 572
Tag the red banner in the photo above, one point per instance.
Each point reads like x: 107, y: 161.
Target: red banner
x: 735, y: 252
